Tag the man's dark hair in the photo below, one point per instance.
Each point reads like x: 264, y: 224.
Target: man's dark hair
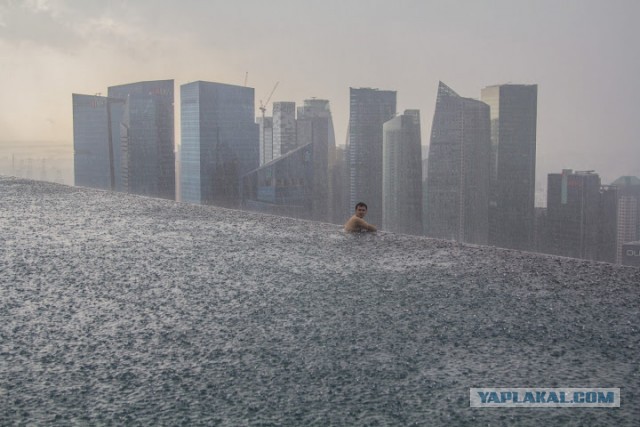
x: 361, y: 204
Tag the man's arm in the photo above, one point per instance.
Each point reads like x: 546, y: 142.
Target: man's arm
x: 365, y: 225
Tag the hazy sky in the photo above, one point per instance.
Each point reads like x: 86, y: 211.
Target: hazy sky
x: 583, y: 55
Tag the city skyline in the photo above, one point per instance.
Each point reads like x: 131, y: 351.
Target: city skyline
x: 119, y: 141
x: 586, y: 77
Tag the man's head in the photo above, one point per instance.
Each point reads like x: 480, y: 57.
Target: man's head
x: 361, y: 210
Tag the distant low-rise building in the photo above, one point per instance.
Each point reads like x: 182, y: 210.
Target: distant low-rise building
x: 540, y: 229
x: 631, y: 254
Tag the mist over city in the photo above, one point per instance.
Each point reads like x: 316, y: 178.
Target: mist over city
x: 576, y: 52
x: 298, y: 213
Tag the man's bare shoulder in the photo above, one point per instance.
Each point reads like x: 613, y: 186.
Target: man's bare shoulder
x: 352, y: 224
x: 356, y: 224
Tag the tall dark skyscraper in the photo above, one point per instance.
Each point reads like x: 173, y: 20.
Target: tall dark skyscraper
x: 513, y: 164
x: 402, y: 174
x: 369, y: 109
x: 458, y: 170
x: 581, y: 216
x: 220, y: 142
x: 340, y: 180
x: 314, y: 125
x: 425, y: 189
x: 608, y: 224
x: 147, y: 138
x: 96, y: 141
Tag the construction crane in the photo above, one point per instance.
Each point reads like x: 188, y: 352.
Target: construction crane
x: 263, y: 107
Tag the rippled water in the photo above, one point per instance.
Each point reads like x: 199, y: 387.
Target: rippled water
x: 128, y: 310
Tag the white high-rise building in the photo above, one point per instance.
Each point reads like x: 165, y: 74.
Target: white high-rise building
x: 402, y: 174
x: 266, y: 139
x: 284, y: 128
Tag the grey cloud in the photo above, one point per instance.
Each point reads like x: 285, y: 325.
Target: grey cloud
x: 70, y: 27
x: 23, y: 23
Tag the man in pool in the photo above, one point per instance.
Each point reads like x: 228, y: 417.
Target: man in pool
x: 356, y: 223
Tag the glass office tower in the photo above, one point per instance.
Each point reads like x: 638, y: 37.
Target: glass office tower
x: 147, y: 138
x: 96, y: 141
x: 369, y: 109
x: 402, y: 174
x: 628, y: 214
x: 219, y: 142
x: 581, y: 216
x: 265, y: 125
x: 458, y: 170
x: 284, y: 128
x: 513, y: 164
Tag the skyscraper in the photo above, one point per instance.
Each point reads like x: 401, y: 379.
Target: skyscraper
x: 266, y: 139
x: 147, y: 138
x: 369, y: 109
x: 581, y: 216
x: 284, y: 128
x: 313, y: 110
x: 340, y: 184
x: 608, y: 224
x: 314, y: 125
x: 513, y: 164
x: 628, y: 212
x: 96, y: 141
x: 220, y: 141
x: 458, y: 171
x: 425, y: 189
x: 402, y: 174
